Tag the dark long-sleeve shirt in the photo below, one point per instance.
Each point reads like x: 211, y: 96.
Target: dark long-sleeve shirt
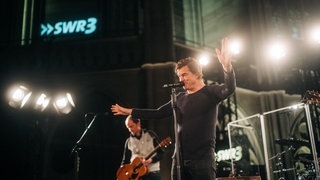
x: 196, y: 117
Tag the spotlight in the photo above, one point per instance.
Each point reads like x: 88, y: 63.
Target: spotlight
x: 42, y: 102
x: 315, y: 35
x: 278, y: 50
x: 235, y: 47
x: 204, y: 60
x: 64, y: 103
x: 19, y: 96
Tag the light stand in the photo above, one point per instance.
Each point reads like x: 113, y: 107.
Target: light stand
x: 77, y: 148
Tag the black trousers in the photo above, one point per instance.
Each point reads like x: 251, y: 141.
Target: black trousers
x: 195, y: 170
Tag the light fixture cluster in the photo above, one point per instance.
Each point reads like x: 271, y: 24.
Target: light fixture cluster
x: 19, y: 96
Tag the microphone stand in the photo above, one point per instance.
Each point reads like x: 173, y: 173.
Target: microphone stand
x: 77, y: 148
x: 177, y: 145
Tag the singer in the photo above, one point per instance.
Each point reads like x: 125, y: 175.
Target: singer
x: 197, y: 109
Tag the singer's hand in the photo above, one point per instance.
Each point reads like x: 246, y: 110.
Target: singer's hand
x: 119, y: 110
x: 224, y: 55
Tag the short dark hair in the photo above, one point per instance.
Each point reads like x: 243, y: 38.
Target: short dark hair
x: 192, y: 64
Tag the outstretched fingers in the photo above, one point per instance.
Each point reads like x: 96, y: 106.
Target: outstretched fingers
x: 115, y: 109
x: 224, y: 54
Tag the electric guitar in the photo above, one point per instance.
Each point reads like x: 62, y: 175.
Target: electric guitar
x: 136, y: 170
x: 312, y: 97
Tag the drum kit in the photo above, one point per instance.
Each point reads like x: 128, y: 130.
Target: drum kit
x: 303, y: 162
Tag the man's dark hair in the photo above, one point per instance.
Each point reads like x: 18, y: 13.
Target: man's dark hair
x: 192, y: 64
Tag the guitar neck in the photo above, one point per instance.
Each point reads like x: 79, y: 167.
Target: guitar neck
x: 147, y: 157
x: 163, y: 143
x: 152, y: 152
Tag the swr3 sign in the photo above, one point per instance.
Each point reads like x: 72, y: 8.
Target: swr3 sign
x: 87, y: 26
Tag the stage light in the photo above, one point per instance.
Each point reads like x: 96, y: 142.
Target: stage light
x: 204, y: 60
x: 278, y: 50
x: 42, y: 102
x: 18, y: 96
x: 315, y: 35
x: 64, y: 103
x: 235, y: 47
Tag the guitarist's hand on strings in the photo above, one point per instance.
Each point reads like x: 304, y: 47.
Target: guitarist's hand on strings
x: 147, y: 162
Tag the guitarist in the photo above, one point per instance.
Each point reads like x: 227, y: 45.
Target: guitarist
x: 139, y: 144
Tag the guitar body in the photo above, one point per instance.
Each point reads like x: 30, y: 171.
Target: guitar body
x: 133, y: 171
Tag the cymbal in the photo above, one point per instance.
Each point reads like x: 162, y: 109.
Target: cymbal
x: 292, y: 142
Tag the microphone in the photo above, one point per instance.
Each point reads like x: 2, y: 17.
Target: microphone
x: 96, y: 114
x: 174, y: 85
